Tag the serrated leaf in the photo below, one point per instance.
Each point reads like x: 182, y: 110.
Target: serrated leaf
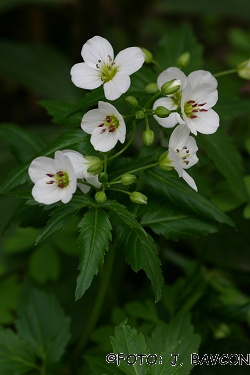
x: 58, y: 110
x: 19, y: 175
x: 100, y: 366
x: 127, y: 217
x: 127, y: 341
x: 177, y: 334
x: 171, y: 188
x: 15, y: 356
x: 146, y: 311
x: 173, y: 223
x: 44, y: 264
x: 95, y: 233
x: 62, y: 215
x: 141, y: 253
x: 43, y: 325
x: 221, y: 150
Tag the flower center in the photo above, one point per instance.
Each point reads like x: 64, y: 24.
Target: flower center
x: 191, y: 108
x: 183, y: 154
x: 61, y: 179
x: 111, y: 123
x: 176, y: 98
x: 107, y: 71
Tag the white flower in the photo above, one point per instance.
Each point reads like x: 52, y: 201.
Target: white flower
x: 181, y: 154
x: 81, y: 165
x: 100, y: 67
x: 197, y: 94
x: 105, y: 125
x: 54, y: 179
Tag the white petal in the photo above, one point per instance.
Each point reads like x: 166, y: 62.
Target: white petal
x: 103, y: 142
x: 205, y: 123
x: 84, y: 188
x: 179, y: 137
x: 96, y: 49
x: 40, y: 167
x: 45, y: 193
x: 204, y: 93
x: 67, y: 194
x: 117, y: 86
x: 93, y: 180
x: 166, y: 102
x: 78, y: 161
x: 202, y: 76
x: 169, y: 74
x: 121, y: 131
x: 85, y: 77
x: 129, y: 60
x: 189, y: 180
x: 91, y: 120
x: 65, y: 165
x: 106, y: 109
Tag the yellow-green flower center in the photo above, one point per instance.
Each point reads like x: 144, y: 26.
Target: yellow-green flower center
x: 107, y: 71
x: 191, y: 108
x: 111, y: 123
x: 176, y: 98
x: 61, y: 179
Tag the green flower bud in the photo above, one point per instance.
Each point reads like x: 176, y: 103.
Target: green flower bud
x: 164, y: 162
x: 244, y: 69
x: 103, y: 177
x: 139, y: 114
x: 148, y: 137
x: 171, y: 87
x: 151, y: 88
x: 131, y: 101
x: 139, y: 198
x: 162, y: 112
x: 100, y: 197
x: 128, y: 179
x: 148, y: 55
x: 183, y: 60
x: 95, y: 165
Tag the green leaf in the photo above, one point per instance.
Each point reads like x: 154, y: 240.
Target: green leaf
x: 44, y: 264
x: 226, y: 197
x: 95, y: 233
x: 171, y: 188
x: 23, y: 142
x: 20, y: 240
x: 221, y: 150
x: 127, y: 217
x: 9, y: 295
x: 168, y: 337
x: 146, y: 311
x: 172, y: 223
x: 43, y: 325
x: 62, y: 215
x: 230, y: 107
x: 178, y: 41
x: 19, y: 175
x: 100, y: 366
x: 39, y: 68
x: 127, y: 341
x: 15, y: 356
x: 141, y: 253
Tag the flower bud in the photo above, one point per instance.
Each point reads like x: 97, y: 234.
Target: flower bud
x: 162, y: 112
x: 183, y: 60
x: 139, y: 114
x: 103, y: 177
x: 171, y: 87
x: 95, y: 165
x: 244, y: 69
x: 100, y: 197
x: 151, y: 88
x: 137, y: 197
x: 147, y: 55
x: 131, y: 101
x: 164, y: 162
x: 128, y: 179
x: 148, y: 137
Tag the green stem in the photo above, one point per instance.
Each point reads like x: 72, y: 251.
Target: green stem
x: 157, y: 64
x: 120, y: 190
x: 105, y: 162
x: 146, y: 121
x: 93, y: 319
x: 225, y: 72
x: 137, y: 170
x: 153, y: 98
x: 126, y: 146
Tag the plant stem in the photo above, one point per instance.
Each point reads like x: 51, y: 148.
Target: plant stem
x: 137, y: 170
x: 126, y: 146
x: 153, y: 98
x: 120, y: 190
x: 225, y: 72
x: 105, y: 277
x: 157, y: 64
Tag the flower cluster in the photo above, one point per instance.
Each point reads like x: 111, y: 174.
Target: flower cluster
x: 185, y: 101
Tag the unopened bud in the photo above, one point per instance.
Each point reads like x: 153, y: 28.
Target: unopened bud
x: 139, y: 114
x: 100, y: 197
x: 95, y: 165
x: 151, y: 88
x: 171, y: 87
x: 164, y: 162
x: 162, y: 112
x: 244, y: 69
x: 137, y: 197
x: 148, y: 137
x: 128, y: 179
x: 183, y: 60
x: 103, y: 177
x: 131, y: 101
x: 147, y: 55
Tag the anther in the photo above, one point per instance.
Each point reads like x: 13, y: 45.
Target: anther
x: 177, y: 150
x: 50, y: 182
x: 194, y: 105
x: 103, y: 131
x: 110, y: 58
x: 195, y: 110
x: 61, y: 186
x: 191, y: 101
x: 108, y: 119
x: 193, y: 116
x: 184, y: 147
x: 100, y: 126
x: 203, y: 110
x: 97, y: 66
x: 99, y: 61
x: 60, y: 174
x: 50, y: 175
x: 111, y: 129
x: 200, y: 105
x: 187, y: 151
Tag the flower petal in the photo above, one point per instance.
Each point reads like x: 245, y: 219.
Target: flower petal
x: 205, y: 122
x: 169, y: 74
x: 179, y: 137
x: 67, y: 194
x: 103, y: 141
x: 78, y: 161
x: 95, y: 50
x: 117, y: 86
x: 40, y: 167
x: 202, y: 76
x: 129, y: 60
x: 46, y: 193
x: 84, y: 188
x: 93, y: 180
x: 204, y: 93
x: 85, y: 77
x: 189, y: 180
x: 91, y: 120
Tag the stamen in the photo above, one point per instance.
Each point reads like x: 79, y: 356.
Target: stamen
x: 99, y: 61
x: 103, y: 131
x: 200, y: 105
x: 108, y: 119
x: 191, y: 101
x: 61, y: 186
x: 194, y: 105
x: 100, y: 126
x: 110, y: 58
x: 111, y: 129
x: 187, y: 151
x: 195, y: 110
x: 50, y: 175
x: 184, y: 147
x: 97, y: 66
x: 177, y: 150
x: 186, y: 162
x: 193, y: 116
x: 50, y: 182
x: 60, y: 174
x: 203, y: 110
